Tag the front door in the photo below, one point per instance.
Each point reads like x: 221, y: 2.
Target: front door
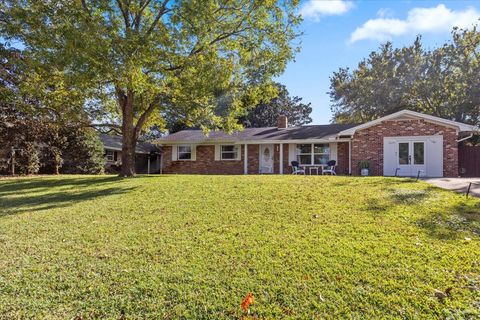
x: 266, y: 158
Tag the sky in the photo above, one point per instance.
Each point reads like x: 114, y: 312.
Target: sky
x: 340, y: 33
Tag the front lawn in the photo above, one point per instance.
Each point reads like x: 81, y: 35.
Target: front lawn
x: 194, y: 246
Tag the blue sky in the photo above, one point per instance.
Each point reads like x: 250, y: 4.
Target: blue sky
x: 340, y: 33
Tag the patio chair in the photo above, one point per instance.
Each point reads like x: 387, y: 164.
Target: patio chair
x: 330, y: 168
x: 296, y: 168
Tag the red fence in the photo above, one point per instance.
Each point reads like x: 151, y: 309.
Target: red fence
x: 469, y: 161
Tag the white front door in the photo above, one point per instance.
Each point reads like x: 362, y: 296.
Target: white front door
x: 409, y: 156
x: 266, y: 158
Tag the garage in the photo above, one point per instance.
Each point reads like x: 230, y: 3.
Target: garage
x: 413, y: 155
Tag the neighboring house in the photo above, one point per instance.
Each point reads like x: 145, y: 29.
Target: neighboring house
x: 147, y: 156
x: 402, y: 144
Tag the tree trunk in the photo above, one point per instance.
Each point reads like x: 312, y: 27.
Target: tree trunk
x: 129, y: 136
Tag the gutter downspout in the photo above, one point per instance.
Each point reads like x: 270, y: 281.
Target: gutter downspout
x: 465, y: 138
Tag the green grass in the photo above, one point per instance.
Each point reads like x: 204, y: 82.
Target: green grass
x: 193, y: 246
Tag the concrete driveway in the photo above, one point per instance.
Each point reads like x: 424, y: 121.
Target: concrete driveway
x: 457, y: 184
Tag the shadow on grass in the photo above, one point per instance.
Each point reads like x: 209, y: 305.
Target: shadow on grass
x: 40, y: 194
x: 453, y: 221
x: 454, y: 218
x: 40, y: 184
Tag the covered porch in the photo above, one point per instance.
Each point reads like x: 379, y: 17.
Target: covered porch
x: 312, y: 155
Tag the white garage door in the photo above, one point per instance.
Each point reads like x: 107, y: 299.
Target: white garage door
x: 408, y: 156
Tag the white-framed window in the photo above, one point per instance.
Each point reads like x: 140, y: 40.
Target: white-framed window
x: 110, y: 155
x: 313, y: 153
x: 228, y: 152
x: 184, y: 153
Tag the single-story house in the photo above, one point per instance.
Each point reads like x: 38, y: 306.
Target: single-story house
x: 404, y: 143
x: 147, y: 156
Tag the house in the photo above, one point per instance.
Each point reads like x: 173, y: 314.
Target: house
x: 147, y: 155
x: 405, y: 143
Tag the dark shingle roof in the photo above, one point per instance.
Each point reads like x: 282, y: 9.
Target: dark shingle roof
x: 115, y: 143
x: 266, y: 133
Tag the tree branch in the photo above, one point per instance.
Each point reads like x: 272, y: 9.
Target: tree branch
x: 163, y: 9
x: 85, y: 8
x: 144, y: 117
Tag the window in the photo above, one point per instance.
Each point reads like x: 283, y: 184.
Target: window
x: 229, y: 152
x: 418, y: 153
x: 403, y: 153
x: 110, y: 155
x: 313, y: 153
x: 184, y: 153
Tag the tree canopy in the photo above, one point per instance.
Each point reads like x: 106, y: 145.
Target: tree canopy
x: 444, y: 82
x: 115, y: 63
x: 266, y: 113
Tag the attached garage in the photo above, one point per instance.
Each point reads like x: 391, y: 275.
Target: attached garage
x: 410, y: 156
x: 408, y: 143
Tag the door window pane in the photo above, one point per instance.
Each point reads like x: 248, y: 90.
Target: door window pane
x: 403, y: 153
x: 418, y: 153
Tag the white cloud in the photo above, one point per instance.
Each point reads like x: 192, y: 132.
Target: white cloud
x: 438, y: 19
x: 315, y: 9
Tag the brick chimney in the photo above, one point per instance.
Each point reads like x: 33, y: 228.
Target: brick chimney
x: 282, y: 122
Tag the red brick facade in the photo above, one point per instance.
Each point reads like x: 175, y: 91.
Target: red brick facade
x: 367, y: 144
x: 205, y: 162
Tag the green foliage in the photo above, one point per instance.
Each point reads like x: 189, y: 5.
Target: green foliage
x: 336, y: 248
x: 364, y: 164
x: 27, y: 159
x: 121, y: 60
x: 444, y: 82
x: 47, y: 147
x: 83, y: 151
x: 266, y: 113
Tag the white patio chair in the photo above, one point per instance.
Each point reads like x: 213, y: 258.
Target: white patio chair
x: 330, y: 168
x: 296, y: 168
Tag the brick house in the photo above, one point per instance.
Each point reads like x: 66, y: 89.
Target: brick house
x: 404, y: 143
x: 147, y: 155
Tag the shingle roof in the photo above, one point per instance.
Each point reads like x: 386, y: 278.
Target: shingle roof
x: 115, y: 143
x: 252, y: 134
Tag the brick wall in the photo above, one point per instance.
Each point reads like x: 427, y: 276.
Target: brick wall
x: 205, y: 163
x: 367, y: 144
x: 342, y: 158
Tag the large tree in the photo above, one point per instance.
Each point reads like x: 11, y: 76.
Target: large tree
x: 266, y: 113
x: 142, y: 53
x: 444, y: 82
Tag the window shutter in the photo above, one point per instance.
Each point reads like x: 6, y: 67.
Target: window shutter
x: 238, y: 148
x: 114, y: 155
x: 217, y: 152
x: 194, y: 153
x: 333, y: 152
x: 292, y: 153
x: 174, y: 153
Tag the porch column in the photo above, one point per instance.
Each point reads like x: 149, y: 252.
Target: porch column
x: 148, y: 164
x: 350, y: 157
x: 281, y: 159
x: 245, y: 159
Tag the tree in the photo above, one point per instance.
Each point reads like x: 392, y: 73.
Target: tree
x: 444, y: 82
x: 121, y: 60
x: 266, y: 113
x: 83, y: 151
